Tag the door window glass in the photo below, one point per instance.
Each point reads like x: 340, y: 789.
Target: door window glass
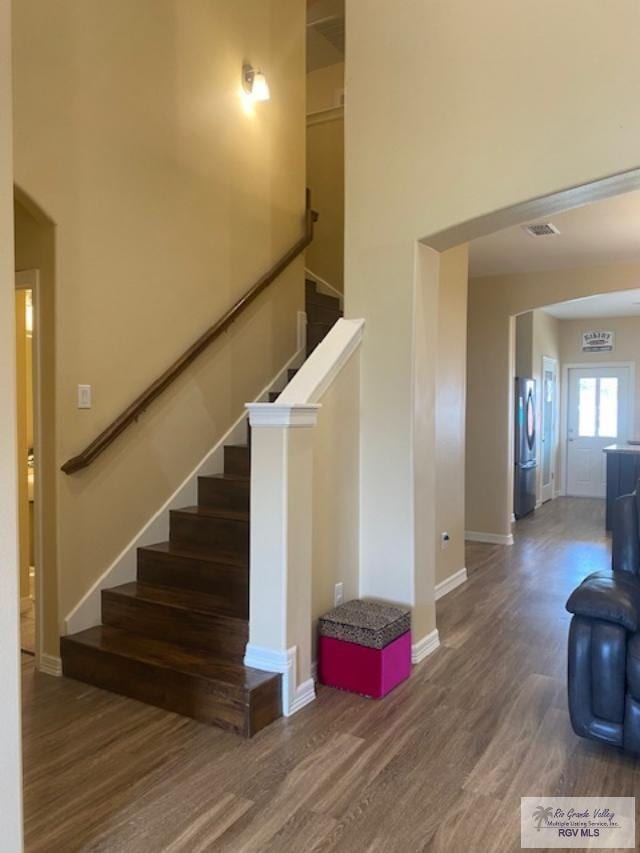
x: 598, y: 407
x: 608, y: 407
x: 587, y: 407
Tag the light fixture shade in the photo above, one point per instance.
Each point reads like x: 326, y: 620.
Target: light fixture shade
x: 260, y: 87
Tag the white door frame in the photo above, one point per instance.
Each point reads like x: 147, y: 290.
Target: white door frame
x: 30, y: 280
x: 582, y: 365
x: 546, y: 361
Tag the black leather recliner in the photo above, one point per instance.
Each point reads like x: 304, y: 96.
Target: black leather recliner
x: 604, y: 640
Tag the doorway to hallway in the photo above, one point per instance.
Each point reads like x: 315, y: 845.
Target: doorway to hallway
x: 29, y: 468
x: 599, y: 413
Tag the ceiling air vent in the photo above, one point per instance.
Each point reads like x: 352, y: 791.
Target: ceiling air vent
x: 332, y: 29
x: 541, y: 229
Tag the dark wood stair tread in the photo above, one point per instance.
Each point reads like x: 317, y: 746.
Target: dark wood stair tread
x: 211, y: 512
x: 171, y: 549
x: 232, y: 478
x: 327, y: 326
x: 166, y: 655
x: 191, y: 601
x: 314, y: 297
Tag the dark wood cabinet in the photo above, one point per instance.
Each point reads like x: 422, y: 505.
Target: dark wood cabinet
x: 623, y: 472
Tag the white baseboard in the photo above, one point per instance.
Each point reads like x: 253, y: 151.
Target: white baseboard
x: 50, y: 665
x: 304, y: 694
x: 450, y: 583
x: 538, y: 504
x: 86, y: 613
x: 424, y: 647
x: 294, y: 696
x: 490, y: 538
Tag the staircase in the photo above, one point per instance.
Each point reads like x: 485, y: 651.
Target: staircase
x: 176, y: 636
x: 322, y: 313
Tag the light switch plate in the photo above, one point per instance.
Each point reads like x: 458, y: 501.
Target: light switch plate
x: 338, y: 594
x: 84, y: 396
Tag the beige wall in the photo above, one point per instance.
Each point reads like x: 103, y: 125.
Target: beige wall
x: 336, y: 458
x: 170, y: 198
x: 627, y: 347
x: 418, y: 589
x: 325, y: 173
x: 493, y: 301
x: 450, y: 410
x: 324, y: 87
x: 524, y: 344
x: 10, y: 740
x: 427, y: 150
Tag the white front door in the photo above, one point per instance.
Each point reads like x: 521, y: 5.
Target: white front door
x: 598, y: 415
x: 548, y: 425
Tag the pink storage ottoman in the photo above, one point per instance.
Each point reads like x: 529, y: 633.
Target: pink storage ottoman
x: 365, y: 647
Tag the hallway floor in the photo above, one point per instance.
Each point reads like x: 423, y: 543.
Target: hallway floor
x: 439, y: 765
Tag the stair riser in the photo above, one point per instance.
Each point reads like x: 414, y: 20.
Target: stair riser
x: 225, y: 637
x: 237, y: 461
x: 225, y: 537
x: 165, y: 688
x: 319, y: 314
x: 312, y: 297
x: 229, y: 583
x: 266, y: 705
x: 223, y: 494
x: 315, y: 334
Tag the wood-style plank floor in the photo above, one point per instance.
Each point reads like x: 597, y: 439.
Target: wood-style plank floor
x: 439, y: 765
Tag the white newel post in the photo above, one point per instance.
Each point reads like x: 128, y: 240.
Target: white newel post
x: 280, y: 549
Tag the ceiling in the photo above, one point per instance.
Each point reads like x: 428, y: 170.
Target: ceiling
x: 624, y: 303
x: 602, y: 233
x: 325, y: 33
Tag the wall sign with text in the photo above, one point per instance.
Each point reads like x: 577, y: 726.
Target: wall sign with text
x: 598, y: 341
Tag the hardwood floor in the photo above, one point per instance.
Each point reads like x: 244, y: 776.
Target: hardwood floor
x: 439, y: 765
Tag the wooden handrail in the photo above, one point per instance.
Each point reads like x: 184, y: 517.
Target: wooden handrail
x: 141, y: 403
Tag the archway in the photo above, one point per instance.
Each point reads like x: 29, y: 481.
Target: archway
x: 491, y: 346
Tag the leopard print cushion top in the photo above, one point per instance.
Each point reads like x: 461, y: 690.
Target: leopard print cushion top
x: 366, y: 623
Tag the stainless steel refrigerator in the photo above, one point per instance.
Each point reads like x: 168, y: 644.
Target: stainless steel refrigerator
x: 526, y: 463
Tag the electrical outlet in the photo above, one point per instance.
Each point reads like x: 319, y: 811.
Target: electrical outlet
x: 444, y: 540
x: 338, y: 594
x: 84, y: 396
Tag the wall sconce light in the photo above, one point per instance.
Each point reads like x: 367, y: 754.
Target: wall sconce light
x: 255, y: 84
